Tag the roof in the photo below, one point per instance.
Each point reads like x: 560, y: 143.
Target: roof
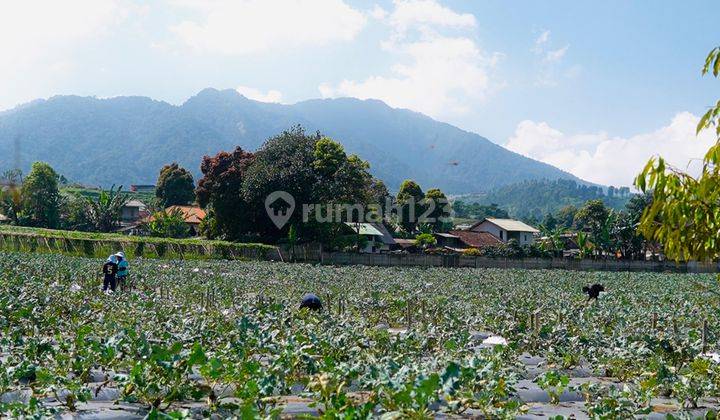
x: 476, y: 239
x: 364, y: 228
x: 446, y: 235
x: 405, y: 243
x: 135, y: 203
x: 387, y: 238
x: 192, y: 215
x: 509, y: 225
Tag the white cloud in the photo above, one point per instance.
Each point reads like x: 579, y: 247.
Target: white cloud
x: 39, y: 40
x: 542, y: 39
x: 601, y: 158
x: 436, y: 74
x: 409, y: 13
x: 378, y: 12
x: 556, y: 55
x: 257, y: 95
x: 249, y: 26
x: 550, y: 62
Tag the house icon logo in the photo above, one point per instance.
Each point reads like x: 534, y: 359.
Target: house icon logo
x: 279, y: 206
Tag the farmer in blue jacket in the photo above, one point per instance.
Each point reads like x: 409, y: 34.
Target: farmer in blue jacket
x: 123, y: 267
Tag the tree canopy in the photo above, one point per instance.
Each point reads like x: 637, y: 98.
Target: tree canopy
x: 41, y: 196
x: 175, y: 186
x: 684, y: 214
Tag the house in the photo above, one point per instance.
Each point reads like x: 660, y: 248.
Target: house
x: 472, y: 239
x: 378, y: 237
x: 507, y: 229
x: 405, y: 245
x: 448, y: 240
x: 192, y: 215
x: 133, y: 211
x: 140, y: 188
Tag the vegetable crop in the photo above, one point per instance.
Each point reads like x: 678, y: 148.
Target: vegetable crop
x: 226, y: 338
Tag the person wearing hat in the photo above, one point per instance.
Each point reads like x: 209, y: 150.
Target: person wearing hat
x: 122, y: 273
x: 110, y: 269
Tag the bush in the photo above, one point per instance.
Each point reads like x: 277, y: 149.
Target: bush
x: 166, y: 224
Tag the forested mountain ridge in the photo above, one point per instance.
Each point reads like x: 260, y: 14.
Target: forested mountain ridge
x: 127, y: 140
x: 536, y: 198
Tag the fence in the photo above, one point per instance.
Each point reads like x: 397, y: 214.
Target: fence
x: 426, y: 260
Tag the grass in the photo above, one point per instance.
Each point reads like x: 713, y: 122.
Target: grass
x: 95, y: 244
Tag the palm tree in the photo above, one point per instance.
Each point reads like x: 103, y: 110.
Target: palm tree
x: 105, y: 212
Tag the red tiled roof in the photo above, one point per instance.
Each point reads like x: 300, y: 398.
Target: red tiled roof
x: 476, y: 239
x: 192, y: 215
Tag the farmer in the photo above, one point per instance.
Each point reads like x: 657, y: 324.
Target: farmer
x: 311, y: 301
x: 110, y: 269
x: 122, y: 273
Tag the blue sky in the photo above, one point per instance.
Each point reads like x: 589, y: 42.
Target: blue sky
x: 592, y: 87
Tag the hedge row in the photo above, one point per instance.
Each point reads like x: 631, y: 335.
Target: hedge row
x: 48, y: 241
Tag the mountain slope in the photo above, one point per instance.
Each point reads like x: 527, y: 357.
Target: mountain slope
x: 127, y: 139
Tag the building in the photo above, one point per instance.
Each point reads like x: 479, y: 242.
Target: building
x: 140, y: 188
x: 472, y: 239
x: 133, y: 211
x: 507, y: 229
x: 192, y: 215
x: 378, y: 237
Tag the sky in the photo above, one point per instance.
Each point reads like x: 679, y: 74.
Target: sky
x: 594, y: 88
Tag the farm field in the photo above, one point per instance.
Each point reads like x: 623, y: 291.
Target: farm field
x: 221, y: 339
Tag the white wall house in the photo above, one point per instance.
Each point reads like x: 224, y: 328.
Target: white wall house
x: 378, y: 238
x: 506, y: 229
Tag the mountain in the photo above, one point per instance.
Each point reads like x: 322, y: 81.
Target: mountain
x: 126, y: 140
x: 536, y: 198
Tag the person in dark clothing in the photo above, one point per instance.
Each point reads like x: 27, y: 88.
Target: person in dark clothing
x: 593, y: 291
x: 311, y: 301
x: 109, y: 269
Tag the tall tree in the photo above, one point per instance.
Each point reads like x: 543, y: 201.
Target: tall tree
x: 437, y: 208
x: 314, y: 170
x: 41, y: 196
x: 221, y: 192
x: 409, y: 199
x: 175, y: 186
x: 684, y: 214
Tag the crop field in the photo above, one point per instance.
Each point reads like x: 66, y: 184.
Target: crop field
x: 221, y: 339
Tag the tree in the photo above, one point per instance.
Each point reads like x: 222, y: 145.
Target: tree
x: 566, y: 216
x: 11, y: 203
x: 425, y: 240
x: 220, y: 191
x: 11, y: 177
x: 41, y: 196
x: 437, y: 207
x: 684, y: 214
x: 409, y: 199
x: 549, y: 222
x: 315, y: 171
x: 592, y: 217
x: 105, y: 212
x: 168, y: 224
x: 175, y: 186
x: 74, y: 214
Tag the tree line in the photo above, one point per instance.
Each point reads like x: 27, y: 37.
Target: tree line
x: 313, y: 168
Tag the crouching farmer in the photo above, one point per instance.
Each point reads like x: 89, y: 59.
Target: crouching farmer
x: 311, y: 301
x: 109, y: 269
